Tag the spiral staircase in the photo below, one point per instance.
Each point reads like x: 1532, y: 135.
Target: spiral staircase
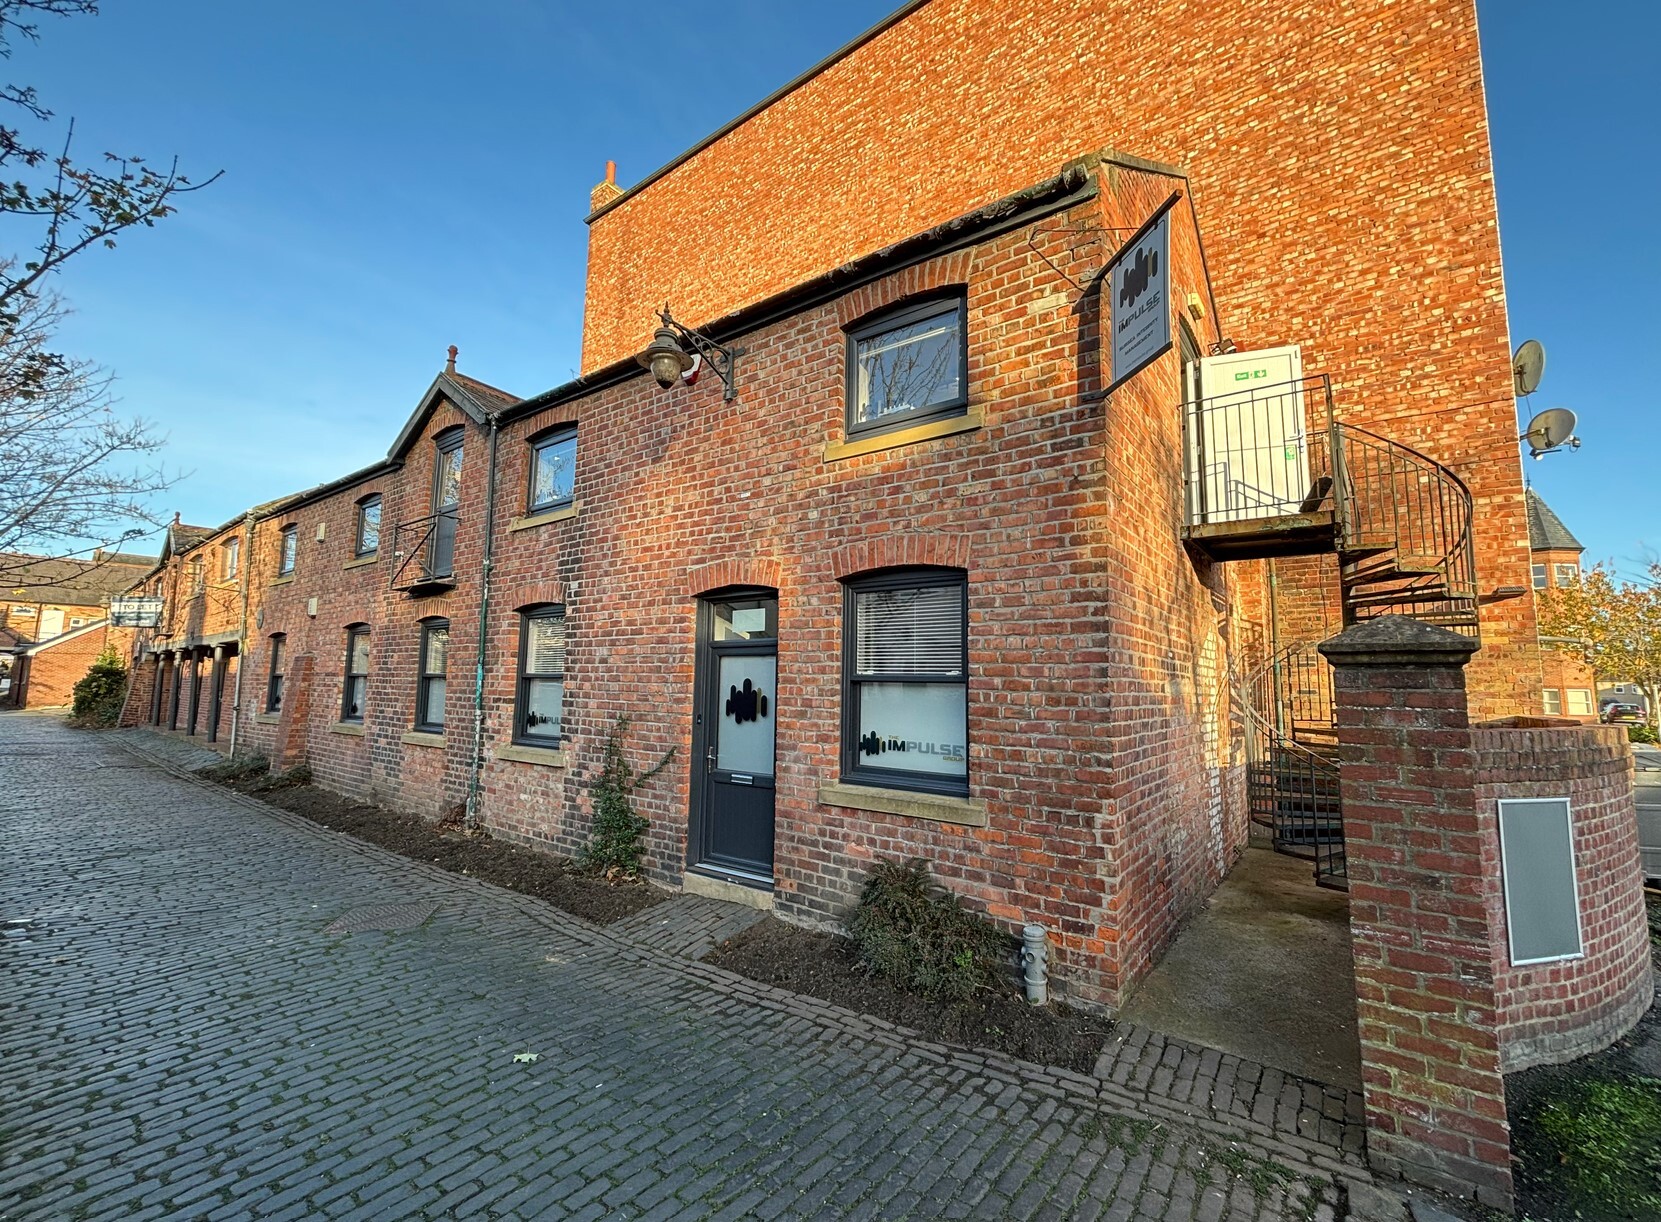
x: 1271, y: 474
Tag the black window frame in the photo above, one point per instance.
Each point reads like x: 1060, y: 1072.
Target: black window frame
x: 288, y: 551
x: 353, y: 632
x: 855, y: 772
x: 424, y: 724
x: 274, y: 673
x: 523, y: 679
x: 906, y: 314
x: 546, y: 439
x: 365, y: 504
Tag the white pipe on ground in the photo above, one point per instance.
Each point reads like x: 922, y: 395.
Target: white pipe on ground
x: 1035, y: 968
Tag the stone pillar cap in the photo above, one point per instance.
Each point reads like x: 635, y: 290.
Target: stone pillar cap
x: 1396, y: 640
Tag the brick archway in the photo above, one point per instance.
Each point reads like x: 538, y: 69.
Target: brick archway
x: 890, y: 551
x: 743, y: 571
x: 536, y: 593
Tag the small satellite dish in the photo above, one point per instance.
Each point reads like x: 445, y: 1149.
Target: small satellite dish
x: 1528, y: 365
x: 1551, y: 429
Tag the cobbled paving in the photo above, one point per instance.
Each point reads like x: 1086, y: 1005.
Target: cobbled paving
x: 180, y: 1039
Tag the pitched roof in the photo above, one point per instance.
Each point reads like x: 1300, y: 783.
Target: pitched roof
x: 1546, y: 531
x: 182, y: 538
x: 492, y: 396
x: 73, y: 583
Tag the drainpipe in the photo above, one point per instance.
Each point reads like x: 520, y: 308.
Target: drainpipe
x: 476, y: 764
x: 247, y: 574
x: 1034, y: 960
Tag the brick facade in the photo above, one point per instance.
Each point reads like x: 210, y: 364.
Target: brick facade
x: 1339, y: 164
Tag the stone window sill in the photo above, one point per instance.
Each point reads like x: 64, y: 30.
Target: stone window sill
x: 267, y: 719
x: 354, y: 728
x: 563, y: 514
x: 360, y: 561
x: 282, y: 581
x: 971, y: 420
x: 546, y: 756
x: 966, y: 812
x: 422, y: 738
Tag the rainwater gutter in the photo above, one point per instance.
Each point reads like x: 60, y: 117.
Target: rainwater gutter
x: 475, y: 768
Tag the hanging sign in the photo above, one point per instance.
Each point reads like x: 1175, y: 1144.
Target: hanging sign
x: 1139, y: 282
x: 135, y: 612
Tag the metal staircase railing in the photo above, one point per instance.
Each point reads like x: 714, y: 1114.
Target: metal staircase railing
x: 1400, y: 524
x: 1292, y: 760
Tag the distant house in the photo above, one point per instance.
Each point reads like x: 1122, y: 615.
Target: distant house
x: 1568, y: 687
x: 52, y: 620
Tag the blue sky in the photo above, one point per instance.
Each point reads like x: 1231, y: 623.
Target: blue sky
x: 401, y: 175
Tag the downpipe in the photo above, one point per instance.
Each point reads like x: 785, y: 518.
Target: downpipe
x: 475, y: 769
x: 1033, y: 958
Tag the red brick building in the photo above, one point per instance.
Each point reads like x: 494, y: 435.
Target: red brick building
x: 1568, y: 686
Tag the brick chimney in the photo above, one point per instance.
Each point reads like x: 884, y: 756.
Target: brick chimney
x: 603, y: 193
x: 450, y: 362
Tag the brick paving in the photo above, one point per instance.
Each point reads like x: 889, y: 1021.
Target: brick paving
x: 181, y: 1039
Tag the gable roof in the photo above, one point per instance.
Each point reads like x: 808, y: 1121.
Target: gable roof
x: 476, y: 400
x: 72, y: 583
x: 1546, y: 531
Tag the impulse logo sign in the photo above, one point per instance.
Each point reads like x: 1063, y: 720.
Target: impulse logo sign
x: 1141, y: 299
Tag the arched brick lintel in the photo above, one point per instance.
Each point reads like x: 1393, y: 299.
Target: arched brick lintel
x: 891, y: 551
x: 919, y: 278
x: 535, y: 593
x: 740, y: 571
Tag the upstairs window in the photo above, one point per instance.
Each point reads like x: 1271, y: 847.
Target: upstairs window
x: 1539, y: 577
x: 287, y: 546
x: 198, y: 575
x: 233, y: 558
x: 354, y: 691
x: 905, y: 681
x: 431, y: 682
x: 540, y: 707
x: 1580, y: 701
x: 1553, y: 700
x: 908, y: 366
x: 1566, y: 574
x: 553, y: 469
x: 368, y: 536
x: 274, y: 679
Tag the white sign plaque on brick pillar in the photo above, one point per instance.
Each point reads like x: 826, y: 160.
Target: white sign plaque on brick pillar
x: 1542, y: 895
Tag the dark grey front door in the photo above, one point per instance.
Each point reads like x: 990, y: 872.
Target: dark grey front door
x: 732, y: 789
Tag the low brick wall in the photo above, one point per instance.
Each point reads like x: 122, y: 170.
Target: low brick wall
x: 1553, y: 1012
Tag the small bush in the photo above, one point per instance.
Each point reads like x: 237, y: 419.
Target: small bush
x: 615, y: 846
x: 916, y: 935
x: 237, y: 771
x: 1642, y: 734
x: 100, y: 693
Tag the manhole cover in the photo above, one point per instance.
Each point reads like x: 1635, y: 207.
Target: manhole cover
x: 384, y: 916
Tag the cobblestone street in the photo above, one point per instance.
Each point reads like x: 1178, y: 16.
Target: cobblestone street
x: 182, y: 1037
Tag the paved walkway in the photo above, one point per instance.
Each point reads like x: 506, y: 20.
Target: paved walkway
x: 181, y: 1038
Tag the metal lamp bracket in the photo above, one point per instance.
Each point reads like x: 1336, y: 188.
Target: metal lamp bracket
x: 717, y: 356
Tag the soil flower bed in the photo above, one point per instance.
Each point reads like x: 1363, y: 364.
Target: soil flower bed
x: 823, y: 965
x: 527, y: 871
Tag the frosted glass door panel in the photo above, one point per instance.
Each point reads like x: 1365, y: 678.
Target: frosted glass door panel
x: 744, y: 733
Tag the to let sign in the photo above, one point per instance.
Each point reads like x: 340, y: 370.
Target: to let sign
x: 136, y: 612
x: 1139, y: 284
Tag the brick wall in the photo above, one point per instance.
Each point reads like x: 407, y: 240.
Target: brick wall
x: 53, y: 670
x: 1340, y: 165
x: 1549, y: 1013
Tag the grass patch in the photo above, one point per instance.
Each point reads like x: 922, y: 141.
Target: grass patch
x: 1604, y: 1137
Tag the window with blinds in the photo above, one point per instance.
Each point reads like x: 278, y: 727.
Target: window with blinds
x: 905, y: 703
x: 540, y: 707
x: 433, y: 681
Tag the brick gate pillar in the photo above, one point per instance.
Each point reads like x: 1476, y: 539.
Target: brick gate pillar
x: 1418, y: 848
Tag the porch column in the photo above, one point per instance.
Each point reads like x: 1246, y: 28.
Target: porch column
x: 1419, y: 852
x: 178, y: 679
x: 216, y: 692
x: 157, y: 691
x: 195, y: 689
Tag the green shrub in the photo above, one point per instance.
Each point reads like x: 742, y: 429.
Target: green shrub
x: 1641, y: 734
x: 100, y: 693
x: 237, y: 771
x: 913, y: 933
x: 615, y: 845
x: 1605, y: 1137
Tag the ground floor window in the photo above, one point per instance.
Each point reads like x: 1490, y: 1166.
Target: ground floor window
x: 540, y: 707
x: 1580, y: 701
x: 274, y: 681
x: 429, y: 695
x: 355, y: 688
x: 905, y: 668
x: 1554, y: 702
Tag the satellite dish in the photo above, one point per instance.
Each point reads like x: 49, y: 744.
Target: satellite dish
x: 1551, y: 429
x: 1528, y: 365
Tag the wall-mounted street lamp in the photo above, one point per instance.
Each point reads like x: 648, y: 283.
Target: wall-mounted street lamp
x: 678, y: 352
